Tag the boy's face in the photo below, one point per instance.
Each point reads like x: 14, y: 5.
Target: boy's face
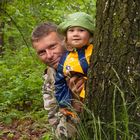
x: 49, y: 49
x: 77, y: 37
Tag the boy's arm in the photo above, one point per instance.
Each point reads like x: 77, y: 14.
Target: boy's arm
x: 76, y: 84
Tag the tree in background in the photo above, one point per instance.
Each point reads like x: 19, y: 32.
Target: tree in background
x: 114, y: 74
x: 2, y: 5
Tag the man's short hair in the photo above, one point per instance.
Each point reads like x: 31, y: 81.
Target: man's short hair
x: 43, y: 30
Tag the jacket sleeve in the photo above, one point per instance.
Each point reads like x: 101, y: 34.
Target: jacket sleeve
x: 62, y: 92
x: 50, y: 103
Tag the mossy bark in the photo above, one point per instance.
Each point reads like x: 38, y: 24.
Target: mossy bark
x: 114, y: 73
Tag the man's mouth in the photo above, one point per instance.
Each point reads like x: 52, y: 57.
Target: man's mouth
x: 56, y: 61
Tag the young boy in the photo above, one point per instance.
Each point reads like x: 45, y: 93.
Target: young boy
x: 78, y: 29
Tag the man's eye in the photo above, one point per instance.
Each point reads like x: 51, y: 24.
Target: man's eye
x: 40, y: 53
x: 52, y: 47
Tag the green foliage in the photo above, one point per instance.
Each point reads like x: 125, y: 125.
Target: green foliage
x: 20, y: 80
x: 20, y: 17
x: 122, y: 126
x: 20, y: 95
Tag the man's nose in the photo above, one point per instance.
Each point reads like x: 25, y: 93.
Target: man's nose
x: 48, y: 53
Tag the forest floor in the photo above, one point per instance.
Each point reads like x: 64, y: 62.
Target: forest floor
x: 25, y: 129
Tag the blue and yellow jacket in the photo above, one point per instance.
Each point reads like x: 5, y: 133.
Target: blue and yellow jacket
x: 75, y: 62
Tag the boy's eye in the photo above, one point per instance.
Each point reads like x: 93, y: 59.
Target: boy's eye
x: 70, y: 30
x: 81, y: 30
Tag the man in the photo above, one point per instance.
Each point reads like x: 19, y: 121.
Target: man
x: 49, y: 47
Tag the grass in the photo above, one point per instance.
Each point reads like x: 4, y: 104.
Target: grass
x: 124, y: 126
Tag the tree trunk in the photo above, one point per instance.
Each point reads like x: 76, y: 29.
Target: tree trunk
x: 2, y: 24
x: 1, y: 37
x: 113, y: 86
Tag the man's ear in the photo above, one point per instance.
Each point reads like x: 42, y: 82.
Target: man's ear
x: 64, y: 41
x: 91, y: 40
x: 66, y: 45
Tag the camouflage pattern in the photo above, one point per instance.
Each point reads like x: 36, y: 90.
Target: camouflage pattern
x: 63, y: 127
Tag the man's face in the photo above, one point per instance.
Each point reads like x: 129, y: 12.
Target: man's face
x: 49, y: 49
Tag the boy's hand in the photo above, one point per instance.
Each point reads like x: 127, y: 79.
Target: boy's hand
x: 76, y: 84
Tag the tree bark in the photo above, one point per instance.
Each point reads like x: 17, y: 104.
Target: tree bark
x: 1, y: 37
x: 2, y: 24
x: 113, y: 86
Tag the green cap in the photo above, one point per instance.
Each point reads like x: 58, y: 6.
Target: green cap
x: 80, y: 19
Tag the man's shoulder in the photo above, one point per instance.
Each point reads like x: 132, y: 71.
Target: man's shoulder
x: 49, y: 70
x: 49, y: 74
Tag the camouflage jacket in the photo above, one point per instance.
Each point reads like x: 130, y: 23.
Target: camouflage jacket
x: 50, y: 103
x: 62, y: 128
